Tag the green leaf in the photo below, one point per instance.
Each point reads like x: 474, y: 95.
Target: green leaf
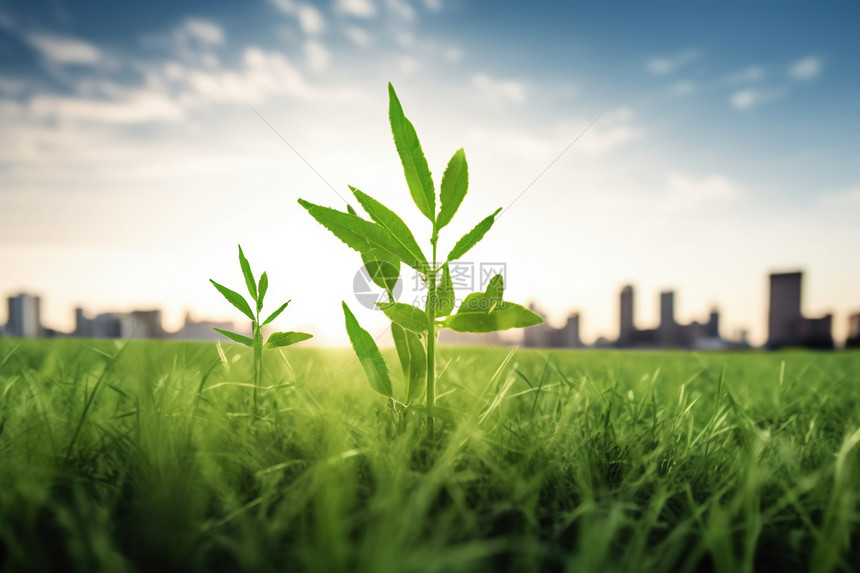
x: 235, y: 299
x: 413, y: 361
x: 504, y: 316
x: 368, y: 354
x: 249, y: 276
x: 236, y: 337
x: 388, y: 219
x: 472, y: 238
x: 443, y: 301
x: 455, y: 183
x: 275, y: 314
x: 415, y: 167
x: 261, y: 290
x: 405, y: 315
x: 495, y: 290
x: 361, y: 235
x: 382, y: 268
x: 279, y: 339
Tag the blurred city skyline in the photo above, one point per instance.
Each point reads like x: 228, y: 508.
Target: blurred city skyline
x: 134, y: 157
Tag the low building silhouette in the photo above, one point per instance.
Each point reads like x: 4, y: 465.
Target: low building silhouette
x: 786, y: 324
x: 545, y: 336
x: 669, y: 333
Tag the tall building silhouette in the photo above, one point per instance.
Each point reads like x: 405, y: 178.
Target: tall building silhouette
x: 786, y: 324
x: 853, y: 340
x: 626, y: 327
x: 25, y: 316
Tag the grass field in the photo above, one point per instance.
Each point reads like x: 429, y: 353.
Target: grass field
x: 146, y: 457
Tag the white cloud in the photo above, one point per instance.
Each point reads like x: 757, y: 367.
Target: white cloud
x: 613, y: 130
x: 404, y: 39
x: 358, y: 8
x: 408, y: 65
x: 358, y: 36
x: 665, y: 65
x: 265, y: 74
x: 684, y: 192
x: 507, y: 91
x: 318, y: 56
x: 136, y: 107
x: 65, y: 50
x: 13, y: 86
x: 433, y: 5
x: 805, y: 69
x: 310, y: 18
x: 204, y: 31
x: 401, y: 9
x: 748, y: 74
x: 684, y: 87
x: 453, y: 54
x: 749, y: 98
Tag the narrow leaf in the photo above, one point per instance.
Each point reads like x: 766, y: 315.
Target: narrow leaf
x: 236, y: 337
x: 235, y: 299
x: 275, y: 314
x: 413, y: 361
x: 472, y: 238
x: 506, y: 315
x: 279, y: 339
x: 361, y: 235
x: 261, y: 290
x: 382, y: 268
x: 443, y: 301
x: 249, y: 276
x: 417, y: 368
x: 368, y: 354
x: 390, y: 221
x: 405, y: 315
x: 455, y: 183
x: 415, y: 167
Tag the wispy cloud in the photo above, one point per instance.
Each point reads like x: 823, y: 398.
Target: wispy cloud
x: 357, y: 8
x: 318, y: 56
x: 204, y: 31
x: 805, y: 69
x: 506, y: 91
x: 358, y: 36
x: 749, y: 98
x: 65, y: 50
x: 665, y: 65
x: 311, y: 20
x: 749, y: 74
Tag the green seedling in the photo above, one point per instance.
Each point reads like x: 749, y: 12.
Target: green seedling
x: 385, y: 242
x: 258, y: 293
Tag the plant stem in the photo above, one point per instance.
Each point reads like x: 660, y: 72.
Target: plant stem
x: 431, y: 345
x: 258, y: 359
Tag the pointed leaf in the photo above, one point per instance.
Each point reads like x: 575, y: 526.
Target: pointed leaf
x: 279, y: 339
x: 368, y: 354
x: 495, y: 290
x: 235, y: 299
x: 236, y: 337
x: 505, y: 315
x: 249, y: 276
x: 405, y: 315
x: 417, y: 367
x: 455, y: 183
x: 388, y: 219
x: 471, y: 238
x: 413, y: 361
x: 275, y: 314
x: 361, y: 235
x: 443, y: 304
x: 382, y: 268
x: 415, y: 167
x: 261, y: 290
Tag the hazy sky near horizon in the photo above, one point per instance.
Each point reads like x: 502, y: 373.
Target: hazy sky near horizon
x: 133, y: 158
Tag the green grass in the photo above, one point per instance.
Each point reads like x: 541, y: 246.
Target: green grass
x: 562, y: 461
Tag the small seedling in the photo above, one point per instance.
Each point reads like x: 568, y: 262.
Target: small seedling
x: 385, y: 242
x: 257, y: 292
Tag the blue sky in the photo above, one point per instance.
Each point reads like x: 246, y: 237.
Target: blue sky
x: 133, y: 158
